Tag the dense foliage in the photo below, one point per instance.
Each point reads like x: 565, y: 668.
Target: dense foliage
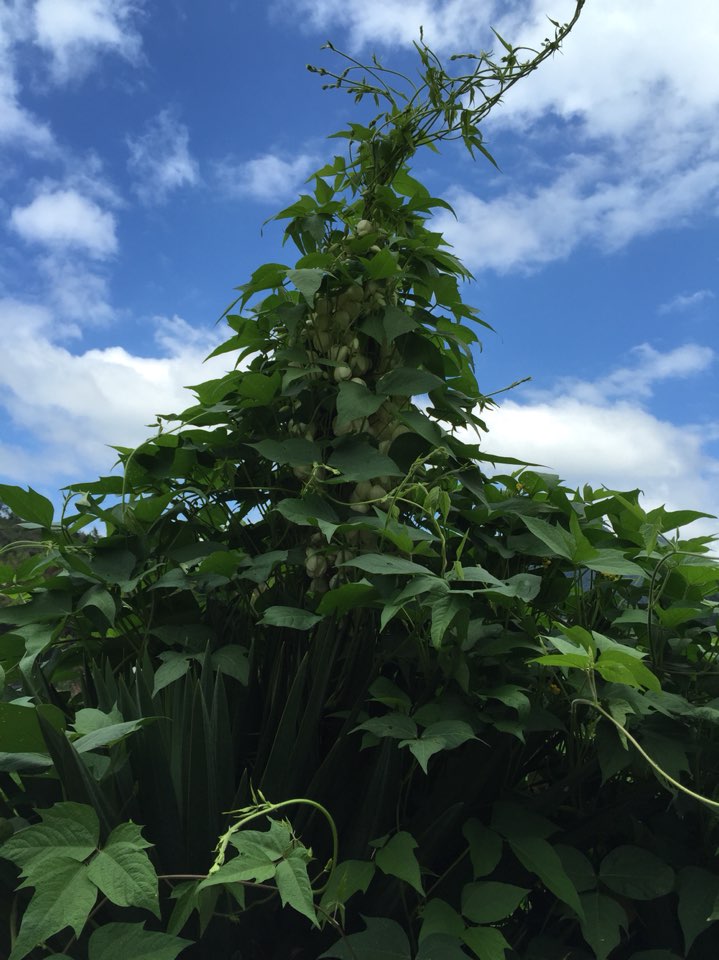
x: 324, y: 688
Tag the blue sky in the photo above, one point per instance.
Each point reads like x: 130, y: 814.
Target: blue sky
x: 143, y: 144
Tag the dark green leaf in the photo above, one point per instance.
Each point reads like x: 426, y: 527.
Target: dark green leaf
x: 489, y: 901
x: 124, y: 940
x: 27, y: 504
x: 382, y: 940
x: 636, y: 873
x: 603, y: 922
x: 397, y: 858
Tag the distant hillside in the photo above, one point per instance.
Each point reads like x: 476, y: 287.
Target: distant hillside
x: 10, y: 531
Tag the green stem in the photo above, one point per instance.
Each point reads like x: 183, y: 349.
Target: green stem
x: 652, y: 763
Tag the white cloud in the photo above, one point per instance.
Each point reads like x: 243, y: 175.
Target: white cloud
x: 267, y: 177
x: 18, y: 126
x: 584, y: 204
x: 64, y: 218
x: 160, y: 159
x: 74, y: 32
x: 685, y: 301
x: 637, y: 88
x: 70, y: 406
x: 446, y: 23
x: 601, y: 433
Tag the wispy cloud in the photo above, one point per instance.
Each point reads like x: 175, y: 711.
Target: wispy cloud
x: 70, y: 406
x: 603, y: 433
x: 267, y: 177
x: 685, y: 301
x: 75, y: 32
x: 65, y: 218
x: 160, y: 159
x: 524, y: 229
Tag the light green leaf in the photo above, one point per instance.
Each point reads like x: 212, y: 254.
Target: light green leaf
x: 294, y: 885
x: 307, y: 281
x: 485, y: 847
x: 382, y: 940
x: 291, y: 618
x: 486, y: 943
x: 636, y: 873
x: 698, y: 891
x: 489, y: 901
x: 123, y: 872
x: 114, y: 941
x: 616, y: 666
x: 88, y: 719
x: 109, y: 735
x: 603, y: 921
x: 612, y: 561
x: 397, y: 859
x: 64, y: 898
x: 443, y: 735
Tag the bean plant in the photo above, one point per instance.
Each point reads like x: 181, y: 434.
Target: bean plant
x: 335, y: 681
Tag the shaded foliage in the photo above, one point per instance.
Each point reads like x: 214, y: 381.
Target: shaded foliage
x: 363, y: 699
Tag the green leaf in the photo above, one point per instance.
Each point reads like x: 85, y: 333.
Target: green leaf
x: 603, y: 922
x: 113, y: 941
x: 439, y: 918
x: 307, y: 281
x: 443, y: 735
x: 383, y: 563
x: 397, y: 859
x: 294, y: 885
x: 64, y: 898
x: 123, y: 872
x: 636, y: 873
x: 355, y: 402
x: 347, y: 878
x: 396, y: 725
x: 486, y: 943
x: 232, y: 661
x: 382, y: 265
x: 542, y: 860
x: 382, y: 940
x: 440, y: 946
x: 106, y: 736
x: 485, y: 847
x: 27, y: 504
x: 291, y: 618
x: 407, y: 381
x: 698, y: 891
x: 387, y: 327
x: 613, y: 562
x: 578, y: 867
x: 258, y: 853
x: 69, y: 831
x: 20, y: 727
x: 307, y: 511
x: 174, y: 666
x: 489, y: 901
x: 347, y: 596
x: 559, y: 541
x: 358, y: 460
x: 294, y: 451
x: 616, y: 666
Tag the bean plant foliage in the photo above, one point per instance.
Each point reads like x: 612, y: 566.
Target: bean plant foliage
x: 335, y: 681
